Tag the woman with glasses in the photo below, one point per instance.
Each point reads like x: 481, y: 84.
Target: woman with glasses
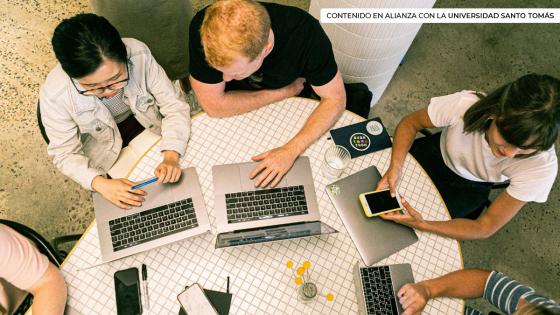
x: 103, y: 93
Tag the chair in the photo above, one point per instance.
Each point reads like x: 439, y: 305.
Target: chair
x: 358, y: 97
x: 40, y: 123
x: 42, y: 244
x: 53, y: 253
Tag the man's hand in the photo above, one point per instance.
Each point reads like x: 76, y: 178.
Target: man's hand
x: 294, y: 88
x: 273, y: 166
x: 413, y: 298
x: 390, y: 179
x: 169, y: 170
x: 412, y: 218
x: 118, y: 192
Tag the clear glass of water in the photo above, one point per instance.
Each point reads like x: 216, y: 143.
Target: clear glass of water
x: 335, y: 161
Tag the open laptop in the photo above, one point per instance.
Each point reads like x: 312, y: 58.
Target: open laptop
x: 377, y: 287
x: 374, y: 237
x: 171, y: 212
x: 246, y: 214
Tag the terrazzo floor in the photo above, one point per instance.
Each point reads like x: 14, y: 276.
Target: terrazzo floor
x: 443, y: 59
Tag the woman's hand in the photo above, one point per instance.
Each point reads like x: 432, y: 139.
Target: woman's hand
x: 412, y: 218
x: 169, y: 170
x: 390, y: 179
x: 118, y: 192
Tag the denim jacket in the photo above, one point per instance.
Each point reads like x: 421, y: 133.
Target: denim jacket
x: 84, y: 138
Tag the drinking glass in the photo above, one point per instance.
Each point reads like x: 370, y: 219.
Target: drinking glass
x: 335, y: 161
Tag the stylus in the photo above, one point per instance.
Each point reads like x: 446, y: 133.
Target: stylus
x: 149, y: 181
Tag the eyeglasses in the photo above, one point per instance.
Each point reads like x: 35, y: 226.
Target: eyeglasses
x: 100, y: 90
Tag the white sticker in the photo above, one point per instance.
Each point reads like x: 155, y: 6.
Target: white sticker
x: 360, y: 141
x: 335, y: 189
x: 374, y: 127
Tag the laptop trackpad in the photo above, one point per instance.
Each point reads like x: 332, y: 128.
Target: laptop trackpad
x: 158, y: 194
x: 249, y: 184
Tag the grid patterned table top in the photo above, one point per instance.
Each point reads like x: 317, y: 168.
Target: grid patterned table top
x: 260, y: 281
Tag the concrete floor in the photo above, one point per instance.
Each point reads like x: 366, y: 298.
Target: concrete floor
x: 446, y: 58
x: 443, y: 59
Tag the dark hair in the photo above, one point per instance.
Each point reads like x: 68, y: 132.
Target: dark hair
x: 526, y: 112
x: 81, y: 42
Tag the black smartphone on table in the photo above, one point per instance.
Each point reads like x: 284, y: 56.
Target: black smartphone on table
x: 127, y: 289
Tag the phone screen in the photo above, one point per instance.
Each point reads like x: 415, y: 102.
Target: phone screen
x: 194, y: 301
x: 381, y: 201
x: 127, y: 289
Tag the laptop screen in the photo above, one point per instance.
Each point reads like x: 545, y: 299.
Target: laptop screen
x: 272, y: 233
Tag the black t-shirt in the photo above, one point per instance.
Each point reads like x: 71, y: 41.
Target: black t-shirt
x: 301, y: 49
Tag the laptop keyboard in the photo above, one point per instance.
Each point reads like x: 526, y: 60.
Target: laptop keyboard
x: 152, y: 224
x: 265, y: 204
x: 378, y: 291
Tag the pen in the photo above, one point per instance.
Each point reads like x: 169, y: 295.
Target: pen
x: 145, y: 285
x: 142, y: 184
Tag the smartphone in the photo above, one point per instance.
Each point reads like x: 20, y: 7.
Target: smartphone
x: 379, y: 202
x: 195, y: 302
x: 127, y: 289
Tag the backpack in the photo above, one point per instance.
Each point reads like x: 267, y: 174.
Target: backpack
x: 358, y: 97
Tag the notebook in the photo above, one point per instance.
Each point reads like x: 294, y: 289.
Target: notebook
x: 131, y: 154
x: 363, y: 137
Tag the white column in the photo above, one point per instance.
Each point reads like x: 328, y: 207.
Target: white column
x: 369, y: 53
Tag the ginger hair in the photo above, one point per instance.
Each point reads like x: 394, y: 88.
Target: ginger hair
x: 232, y: 29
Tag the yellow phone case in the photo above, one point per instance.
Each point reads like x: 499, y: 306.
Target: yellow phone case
x: 364, y: 206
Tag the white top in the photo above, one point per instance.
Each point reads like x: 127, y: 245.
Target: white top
x: 469, y: 155
x: 21, y: 267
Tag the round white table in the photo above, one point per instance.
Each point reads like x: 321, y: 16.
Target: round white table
x: 260, y: 281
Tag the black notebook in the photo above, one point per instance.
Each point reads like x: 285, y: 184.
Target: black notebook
x: 220, y: 300
x: 363, y: 137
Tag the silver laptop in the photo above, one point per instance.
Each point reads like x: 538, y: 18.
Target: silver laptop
x: 171, y: 212
x: 377, y: 287
x: 245, y: 214
x: 374, y: 237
